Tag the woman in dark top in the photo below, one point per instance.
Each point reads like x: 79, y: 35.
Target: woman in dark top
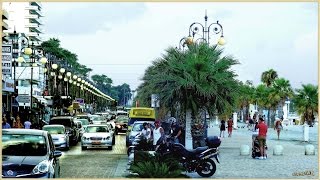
x: 222, y: 127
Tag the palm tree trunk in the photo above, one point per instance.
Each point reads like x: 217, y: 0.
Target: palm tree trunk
x: 188, y: 136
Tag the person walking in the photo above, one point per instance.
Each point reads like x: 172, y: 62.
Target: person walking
x: 278, y: 127
x: 230, y: 124
x: 17, y: 123
x: 5, y: 125
x: 262, y: 135
x: 222, y: 127
x: 27, y: 124
x: 158, y: 133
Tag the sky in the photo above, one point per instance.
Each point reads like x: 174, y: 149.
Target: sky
x: 122, y: 39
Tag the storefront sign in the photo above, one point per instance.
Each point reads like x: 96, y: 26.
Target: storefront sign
x: 6, y: 59
x: 8, y: 85
x: 80, y: 101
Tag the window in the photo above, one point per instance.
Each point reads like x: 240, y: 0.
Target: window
x: 24, y: 145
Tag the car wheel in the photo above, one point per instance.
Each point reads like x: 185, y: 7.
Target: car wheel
x: 110, y: 147
x: 127, y: 143
x: 116, y: 131
x: 83, y: 148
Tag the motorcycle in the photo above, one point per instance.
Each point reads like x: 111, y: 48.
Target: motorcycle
x: 197, y: 160
x: 139, y: 143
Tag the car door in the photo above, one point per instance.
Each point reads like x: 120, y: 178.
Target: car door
x: 54, y: 162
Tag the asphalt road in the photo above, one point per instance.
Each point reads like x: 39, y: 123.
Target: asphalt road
x: 95, y: 163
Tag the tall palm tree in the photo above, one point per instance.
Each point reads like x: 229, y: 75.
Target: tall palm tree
x: 195, y: 79
x: 281, y: 90
x: 268, y: 77
x: 306, y: 102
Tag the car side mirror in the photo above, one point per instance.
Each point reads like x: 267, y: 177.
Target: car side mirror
x: 57, y: 154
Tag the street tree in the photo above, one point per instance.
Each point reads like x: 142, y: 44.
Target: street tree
x: 306, y: 102
x: 196, y: 79
x: 268, y: 77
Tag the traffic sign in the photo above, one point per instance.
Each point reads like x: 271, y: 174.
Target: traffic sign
x: 80, y: 100
x: 23, y: 99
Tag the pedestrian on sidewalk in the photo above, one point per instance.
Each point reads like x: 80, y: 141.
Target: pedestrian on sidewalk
x: 222, y: 127
x: 263, y: 129
x: 230, y: 124
x: 27, y: 124
x: 17, y: 123
x: 5, y: 125
x: 278, y: 127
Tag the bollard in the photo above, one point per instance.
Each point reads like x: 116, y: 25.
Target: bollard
x: 278, y: 150
x: 309, y: 150
x: 244, y: 150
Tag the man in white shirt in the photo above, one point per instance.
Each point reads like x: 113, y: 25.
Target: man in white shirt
x: 27, y: 124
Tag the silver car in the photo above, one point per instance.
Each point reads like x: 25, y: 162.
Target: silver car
x: 97, y: 136
x: 59, y: 136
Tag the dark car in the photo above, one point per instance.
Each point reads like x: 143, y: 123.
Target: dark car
x: 121, y: 124
x: 70, y: 125
x: 29, y: 153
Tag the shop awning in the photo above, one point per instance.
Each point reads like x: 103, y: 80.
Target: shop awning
x: 41, y: 99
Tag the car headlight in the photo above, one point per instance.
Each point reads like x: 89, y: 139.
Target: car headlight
x: 85, y: 138
x: 42, y: 167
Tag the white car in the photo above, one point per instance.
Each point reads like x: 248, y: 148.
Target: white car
x: 97, y: 136
x: 59, y: 136
x: 97, y: 119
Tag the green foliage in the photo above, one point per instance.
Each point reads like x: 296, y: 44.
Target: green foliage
x: 306, y: 102
x: 268, y: 77
x: 197, y: 78
x: 146, y: 165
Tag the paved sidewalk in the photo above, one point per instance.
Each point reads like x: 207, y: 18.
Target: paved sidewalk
x: 287, y: 166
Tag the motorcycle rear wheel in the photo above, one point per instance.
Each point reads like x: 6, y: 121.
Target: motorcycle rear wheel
x: 206, y: 168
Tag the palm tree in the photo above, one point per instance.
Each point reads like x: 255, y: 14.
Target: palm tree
x: 281, y: 90
x: 245, y: 97
x: 268, y: 77
x: 195, y: 79
x: 306, y: 102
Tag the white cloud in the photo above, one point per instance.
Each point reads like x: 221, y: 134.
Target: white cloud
x: 259, y: 35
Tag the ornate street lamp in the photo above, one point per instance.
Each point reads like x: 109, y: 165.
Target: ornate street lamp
x: 35, y: 54
x: 199, y: 33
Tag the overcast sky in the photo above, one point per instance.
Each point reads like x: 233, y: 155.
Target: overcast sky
x: 121, y: 39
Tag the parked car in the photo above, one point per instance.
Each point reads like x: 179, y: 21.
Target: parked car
x: 97, y: 136
x: 80, y: 128
x: 59, y: 136
x: 136, y: 129
x: 68, y: 123
x: 121, y: 124
x: 29, y: 153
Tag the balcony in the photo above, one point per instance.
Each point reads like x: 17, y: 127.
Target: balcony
x: 36, y: 29
x: 37, y: 21
x: 39, y: 4
x: 34, y: 10
x: 32, y: 16
x: 32, y: 25
x: 4, y: 25
x: 5, y: 14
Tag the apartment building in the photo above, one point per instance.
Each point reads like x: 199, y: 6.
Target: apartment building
x: 25, y: 17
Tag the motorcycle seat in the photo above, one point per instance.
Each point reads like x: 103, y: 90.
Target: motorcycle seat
x: 198, y: 150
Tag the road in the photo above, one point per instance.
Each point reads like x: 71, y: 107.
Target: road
x: 95, y: 163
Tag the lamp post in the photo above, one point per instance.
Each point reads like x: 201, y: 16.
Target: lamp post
x: 203, y: 33
x: 34, y: 54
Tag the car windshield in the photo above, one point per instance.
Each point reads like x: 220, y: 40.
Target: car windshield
x: 84, y: 121
x: 65, y: 122
x: 97, y: 118
x: 137, y: 127
x: 97, y: 129
x: 23, y: 145
x: 132, y: 120
x: 122, y: 120
x: 54, y: 130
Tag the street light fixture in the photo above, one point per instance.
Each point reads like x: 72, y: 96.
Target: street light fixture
x: 54, y: 66
x: 62, y: 70
x: 203, y: 33
x: 68, y: 74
